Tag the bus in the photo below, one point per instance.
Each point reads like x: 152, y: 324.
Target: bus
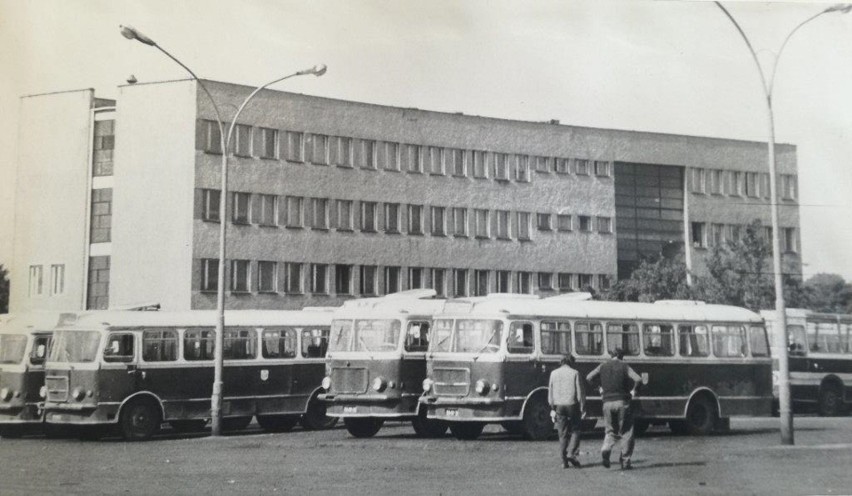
x: 377, y: 362
x: 820, y: 359
x: 24, y: 341
x: 133, y: 371
x: 490, y: 360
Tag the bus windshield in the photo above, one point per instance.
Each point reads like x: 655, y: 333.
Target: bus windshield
x: 366, y: 335
x: 12, y: 348
x: 74, y: 346
x: 467, y: 336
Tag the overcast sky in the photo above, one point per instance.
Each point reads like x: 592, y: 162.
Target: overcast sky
x: 665, y: 66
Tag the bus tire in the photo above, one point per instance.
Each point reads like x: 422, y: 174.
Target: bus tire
x: 830, y: 401
x: 235, y: 423
x: 513, y: 427
x: 363, y: 427
x: 140, y: 419
x: 701, y: 416
x: 315, y: 417
x: 193, y: 425
x: 428, y: 428
x: 466, y: 431
x: 277, y: 423
x: 537, y: 423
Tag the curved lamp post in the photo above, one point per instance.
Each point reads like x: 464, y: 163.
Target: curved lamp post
x: 785, y: 409
x: 224, y: 143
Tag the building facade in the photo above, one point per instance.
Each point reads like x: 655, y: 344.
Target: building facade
x: 118, y: 202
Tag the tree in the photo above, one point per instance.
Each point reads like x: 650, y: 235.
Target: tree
x: 829, y: 293
x: 4, y: 290
x: 662, y: 278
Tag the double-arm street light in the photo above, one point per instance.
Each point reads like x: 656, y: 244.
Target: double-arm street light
x: 785, y: 409
x: 224, y: 143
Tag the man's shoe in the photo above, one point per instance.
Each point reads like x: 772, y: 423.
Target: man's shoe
x: 605, y: 458
x: 626, y: 465
x: 575, y: 462
x: 565, y: 464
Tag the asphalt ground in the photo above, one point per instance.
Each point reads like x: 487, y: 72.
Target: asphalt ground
x: 748, y: 460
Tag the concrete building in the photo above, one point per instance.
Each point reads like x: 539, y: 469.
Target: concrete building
x: 117, y: 201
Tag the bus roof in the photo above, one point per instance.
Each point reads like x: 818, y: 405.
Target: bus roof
x: 415, y: 302
x: 804, y: 313
x: 196, y: 318
x: 579, y: 308
x: 29, y: 322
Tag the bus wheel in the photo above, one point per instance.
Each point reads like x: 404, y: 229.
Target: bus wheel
x: 277, y: 423
x: 701, y: 416
x: 140, y: 419
x: 537, y: 423
x: 235, y: 423
x: 315, y: 418
x: 829, y: 401
x: 426, y: 427
x: 194, y: 425
x: 513, y: 427
x: 466, y: 431
x: 363, y: 427
x: 11, y: 431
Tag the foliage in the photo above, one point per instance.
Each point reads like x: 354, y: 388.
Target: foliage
x: 828, y: 293
x: 4, y: 290
x: 652, y: 280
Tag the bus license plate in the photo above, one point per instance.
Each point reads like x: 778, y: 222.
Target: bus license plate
x: 452, y: 412
x: 350, y: 409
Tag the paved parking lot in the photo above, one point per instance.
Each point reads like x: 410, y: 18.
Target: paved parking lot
x: 748, y: 460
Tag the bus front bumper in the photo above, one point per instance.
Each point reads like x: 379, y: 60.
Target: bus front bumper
x: 369, y: 405
x: 29, y: 413
x: 468, y: 409
x: 80, y: 413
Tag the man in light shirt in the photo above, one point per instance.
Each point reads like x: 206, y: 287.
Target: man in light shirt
x: 567, y: 399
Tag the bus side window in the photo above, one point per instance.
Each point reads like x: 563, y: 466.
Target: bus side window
x: 40, y: 344
x: 624, y: 336
x: 729, y: 341
x: 119, y: 348
x: 417, y: 337
x: 658, y: 339
x: 279, y: 343
x: 240, y: 344
x: 198, y: 344
x: 757, y: 340
x: 314, y: 343
x: 159, y: 345
x: 520, y: 337
x: 797, y: 340
x: 555, y: 338
x: 693, y: 341
x: 588, y: 338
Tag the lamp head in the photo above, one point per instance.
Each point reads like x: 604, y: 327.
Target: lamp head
x: 317, y: 70
x: 843, y: 8
x: 132, y: 33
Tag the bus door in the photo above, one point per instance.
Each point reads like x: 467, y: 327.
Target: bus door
x: 413, y: 366
x: 279, y: 349
x: 120, y: 375
x: 35, y: 370
x: 522, y: 365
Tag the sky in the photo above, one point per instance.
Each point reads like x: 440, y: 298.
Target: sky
x: 660, y: 66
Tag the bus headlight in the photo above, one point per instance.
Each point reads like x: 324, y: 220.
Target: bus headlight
x: 427, y: 384
x: 77, y: 394
x: 379, y: 384
x: 326, y: 383
x: 5, y: 394
x: 482, y: 387
x: 42, y: 391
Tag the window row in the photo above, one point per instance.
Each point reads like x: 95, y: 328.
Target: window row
x: 51, y: 284
x: 739, y: 183
x: 821, y: 337
x: 370, y: 280
x: 393, y: 218
x: 706, y: 235
x: 340, y: 151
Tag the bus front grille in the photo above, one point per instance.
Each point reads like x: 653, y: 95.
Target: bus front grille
x: 452, y: 382
x: 57, y: 389
x: 349, y: 380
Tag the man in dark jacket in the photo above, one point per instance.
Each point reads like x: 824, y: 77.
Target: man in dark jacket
x: 615, y: 375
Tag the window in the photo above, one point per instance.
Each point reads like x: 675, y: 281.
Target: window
x: 502, y: 280
x: 198, y: 344
x: 457, y: 165
x: 717, y: 182
x: 729, y: 341
x: 602, y: 168
x: 524, y: 219
x: 368, y: 280
x: 698, y: 180
x: 415, y: 278
x: 343, y: 279
x: 564, y: 222
x: 790, y: 240
x: 522, y: 169
x: 545, y: 281
x: 57, y: 279
x: 417, y: 336
x: 294, y: 150
x: 520, y: 339
x: 314, y: 342
x: 392, y: 218
x: 159, y: 345
x: 459, y: 282
x: 501, y: 167
x: 789, y: 188
x: 415, y: 219
x: 523, y: 282
x: 368, y: 216
x: 294, y: 211
x: 210, y: 205
x: 242, y: 146
x: 605, y: 225
x: 584, y: 281
x: 824, y: 337
x: 502, y: 224
x: 658, y: 339
x: 459, y: 222
x: 435, y: 160
x: 764, y: 189
x: 555, y: 338
x: 480, y: 281
x: 758, y: 341
x: 735, y: 183
x: 241, y: 208
x: 480, y: 164
x: 344, y: 215
x: 439, y: 283
x: 101, y: 215
x: 209, y: 274
x: 364, y: 156
x: 438, y: 227
x: 39, y: 350
x: 565, y: 281
x: 293, y: 278
x: 412, y: 160
x: 751, y: 184
x: 733, y: 233
x: 267, y: 214
x: 269, y: 145
x: 278, y: 343
x: 119, y: 348
x: 543, y: 164
x: 588, y: 338
x: 797, y: 340
x: 267, y: 277
x: 623, y: 336
x: 317, y: 149
x: 603, y: 281
x: 716, y: 237
x: 319, y: 213
x: 240, y: 276
x: 699, y: 237
x: 239, y: 344
x: 694, y: 341
x: 212, y: 137
x: 563, y: 165
x: 543, y: 222
x: 581, y: 167
x: 318, y: 278
x: 392, y: 280
x: 481, y: 223
x: 585, y: 223
x: 388, y: 156
x: 340, y: 151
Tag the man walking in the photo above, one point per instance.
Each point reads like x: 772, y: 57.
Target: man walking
x: 618, y: 416
x: 567, y: 400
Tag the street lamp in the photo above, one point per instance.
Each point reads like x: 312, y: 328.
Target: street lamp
x: 785, y: 410
x: 224, y: 142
